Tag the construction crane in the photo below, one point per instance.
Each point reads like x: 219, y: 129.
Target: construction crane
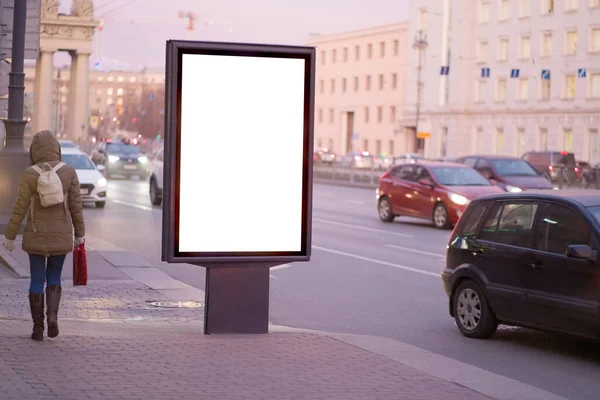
x: 192, y: 18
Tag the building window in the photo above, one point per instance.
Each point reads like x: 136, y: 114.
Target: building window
x: 110, y: 79
x: 320, y: 115
x: 479, y: 141
x: 521, y: 141
x: 382, y: 49
x: 523, y: 89
x: 543, y: 139
x: 344, y: 84
x: 109, y: 101
x: 99, y: 92
x: 479, y: 90
x: 594, y: 3
x: 322, y: 86
x: 369, y: 51
x: 391, y: 147
x: 501, y: 90
x: 423, y: 19
x: 345, y: 54
x: 595, y: 85
x: 366, y: 114
x: 504, y: 10
x: 100, y: 79
x: 381, y: 82
x: 392, y: 114
x: 357, y: 53
x: 525, y: 8
x: 571, y: 42
x: 379, y: 114
x: 366, y: 145
x: 593, y: 146
x: 499, y: 141
x: 331, y: 115
x: 595, y: 39
x: 394, y: 81
x: 333, y: 86
x: 571, y: 5
x: 503, y: 49
x: 547, y: 7
x: 378, y: 147
x: 444, y: 142
x: 110, y: 91
x: 322, y: 57
x: 120, y: 79
x: 368, y: 83
x: 568, y: 140
x: 120, y: 101
x: 524, y: 47
x: 546, y: 89
x: 546, y: 44
x: 120, y: 91
x: 132, y: 79
x: 333, y: 56
x: 482, y: 50
x: 484, y: 12
x: 570, y: 87
x: 397, y: 47
x: 356, y: 83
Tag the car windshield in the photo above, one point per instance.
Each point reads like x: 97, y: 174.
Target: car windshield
x: 563, y: 159
x: 122, y: 148
x: 66, y: 144
x: 513, y: 168
x: 78, y: 161
x: 596, y: 212
x: 458, y: 177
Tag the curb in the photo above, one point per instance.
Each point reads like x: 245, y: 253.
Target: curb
x: 482, y: 381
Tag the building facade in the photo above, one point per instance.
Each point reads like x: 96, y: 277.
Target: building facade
x: 506, y: 76
x: 360, y: 90
x: 118, y: 100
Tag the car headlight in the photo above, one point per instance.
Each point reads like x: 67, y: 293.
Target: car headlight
x: 458, y: 199
x: 102, y: 182
x: 143, y: 159
x: 113, y: 158
x: 513, y: 189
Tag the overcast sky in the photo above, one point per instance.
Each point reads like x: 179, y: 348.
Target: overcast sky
x: 142, y: 43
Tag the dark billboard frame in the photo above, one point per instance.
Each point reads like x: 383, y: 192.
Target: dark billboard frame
x: 172, y: 151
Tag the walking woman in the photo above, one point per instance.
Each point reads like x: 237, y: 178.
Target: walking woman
x: 49, y: 192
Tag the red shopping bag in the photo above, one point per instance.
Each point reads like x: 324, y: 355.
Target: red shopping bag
x: 80, y: 273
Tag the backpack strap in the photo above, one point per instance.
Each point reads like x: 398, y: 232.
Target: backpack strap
x: 37, y: 169
x: 58, y: 166
x: 31, y: 214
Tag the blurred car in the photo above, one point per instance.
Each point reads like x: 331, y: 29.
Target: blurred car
x: 324, y: 156
x: 510, y: 173
x: 92, y: 183
x: 355, y: 159
x: 529, y: 259
x: 156, y: 179
x: 551, y: 163
x: 121, y: 158
x: 431, y: 190
x: 67, y: 144
x: 581, y: 167
x: 383, y: 162
x: 408, y: 158
x: 590, y: 175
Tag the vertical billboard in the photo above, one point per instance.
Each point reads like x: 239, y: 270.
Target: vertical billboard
x: 238, y: 153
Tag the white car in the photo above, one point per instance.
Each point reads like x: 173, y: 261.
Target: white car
x: 156, y: 179
x: 91, y: 181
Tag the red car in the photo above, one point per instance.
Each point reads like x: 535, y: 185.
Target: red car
x: 438, y: 191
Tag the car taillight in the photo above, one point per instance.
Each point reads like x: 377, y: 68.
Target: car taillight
x: 563, y: 153
x: 551, y: 168
x: 576, y: 169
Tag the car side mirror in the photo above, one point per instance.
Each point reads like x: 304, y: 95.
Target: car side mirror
x: 581, y: 251
x: 426, y: 182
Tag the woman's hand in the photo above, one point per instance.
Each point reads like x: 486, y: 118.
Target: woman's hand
x: 78, y: 242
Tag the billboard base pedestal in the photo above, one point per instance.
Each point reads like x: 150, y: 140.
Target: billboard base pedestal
x: 237, y: 298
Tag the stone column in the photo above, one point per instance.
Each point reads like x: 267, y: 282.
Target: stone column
x: 78, y: 102
x: 42, y: 113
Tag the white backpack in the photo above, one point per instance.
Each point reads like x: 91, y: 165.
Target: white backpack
x: 49, y: 185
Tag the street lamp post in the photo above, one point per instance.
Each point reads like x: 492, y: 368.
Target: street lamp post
x: 420, y: 44
x: 14, y: 158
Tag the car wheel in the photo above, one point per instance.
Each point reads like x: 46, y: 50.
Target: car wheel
x: 154, y: 196
x: 440, y: 216
x: 472, y: 313
x: 100, y: 204
x: 384, y: 208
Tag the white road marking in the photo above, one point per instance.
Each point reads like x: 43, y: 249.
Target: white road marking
x: 375, y: 261
x: 426, y: 253
x: 134, y: 205
x: 362, y: 228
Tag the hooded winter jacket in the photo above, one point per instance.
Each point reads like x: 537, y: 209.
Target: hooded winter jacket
x: 54, y: 225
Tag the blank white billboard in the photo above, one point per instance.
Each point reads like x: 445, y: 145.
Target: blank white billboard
x: 241, y: 154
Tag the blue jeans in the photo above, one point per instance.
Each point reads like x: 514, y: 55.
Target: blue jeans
x: 41, y: 273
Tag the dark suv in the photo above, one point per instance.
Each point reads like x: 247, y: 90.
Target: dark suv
x: 556, y: 165
x: 527, y: 259
x: 121, y: 158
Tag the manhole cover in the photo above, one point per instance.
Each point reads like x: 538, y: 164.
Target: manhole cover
x: 176, y: 304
